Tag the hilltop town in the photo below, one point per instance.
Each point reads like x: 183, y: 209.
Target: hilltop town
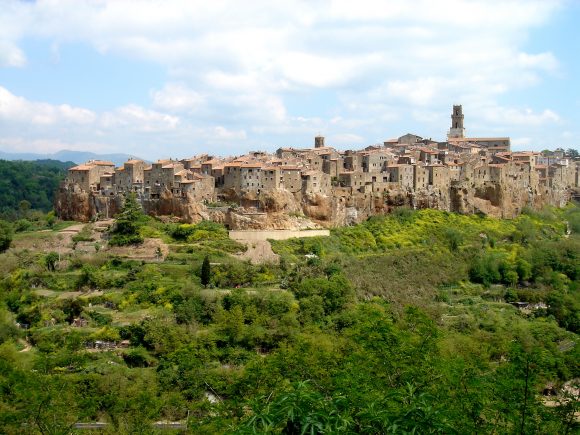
x: 322, y: 186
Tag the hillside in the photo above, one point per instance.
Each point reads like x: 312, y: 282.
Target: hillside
x: 414, y: 322
x: 35, y: 182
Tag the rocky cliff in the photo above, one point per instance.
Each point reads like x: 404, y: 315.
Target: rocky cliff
x: 282, y: 209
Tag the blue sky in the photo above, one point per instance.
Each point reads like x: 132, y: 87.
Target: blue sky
x: 176, y: 78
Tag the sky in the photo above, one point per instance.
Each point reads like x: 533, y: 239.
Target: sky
x: 175, y: 78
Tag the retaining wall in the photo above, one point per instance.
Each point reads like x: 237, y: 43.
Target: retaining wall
x: 275, y: 234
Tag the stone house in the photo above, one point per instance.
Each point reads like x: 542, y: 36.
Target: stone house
x: 129, y: 177
x: 402, y: 174
x: 251, y: 177
x: 375, y: 160
x: 333, y: 167
x: 160, y: 175
x: 315, y: 182
x: 291, y: 178
x: 428, y: 156
x: 195, y: 161
x: 198, y: 188
x: 455, y: 171
x: 354, y: 179
x: 409, y: 139
x: 271, y: 179
x: 420, y: 177
x: 217, y: 172
x: 352, y: 161
x: 438, y: 176
x: 88, y: 175
x: 107, y: 183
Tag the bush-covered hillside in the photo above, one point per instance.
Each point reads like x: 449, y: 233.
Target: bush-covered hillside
x: 31, y: 181
x: 416, y: 322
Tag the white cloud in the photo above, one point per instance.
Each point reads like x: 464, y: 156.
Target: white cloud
x: 19, y: 109
x: 526, y: 117
x: 11, y: 55
x: 222, y: 133
x: 346, y: 139
x: 139, y: 119
x: 283, y: 70
x: 177, y: 98
x: 545, y: 61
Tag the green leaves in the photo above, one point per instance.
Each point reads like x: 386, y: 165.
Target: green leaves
x: 6, y: 234
x: 127, y: 223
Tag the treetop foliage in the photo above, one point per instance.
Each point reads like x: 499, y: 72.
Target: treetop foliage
x: 34, y: 182
x: 415, y: 322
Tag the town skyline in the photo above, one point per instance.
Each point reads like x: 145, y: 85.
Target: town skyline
x: 159, y: 82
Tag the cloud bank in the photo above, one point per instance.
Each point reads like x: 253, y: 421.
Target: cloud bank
x: 260, y: 74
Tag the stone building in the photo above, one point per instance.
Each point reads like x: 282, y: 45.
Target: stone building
x: 315, y: 182
x: 198, y: 188
x: 457, y: 130
x: 291, y: 178
x: 402, y: 174
x: 129, y: 177
x: 88, y: 175
x: 160, y: 176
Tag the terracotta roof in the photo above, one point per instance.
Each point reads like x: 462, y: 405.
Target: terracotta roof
x: 80, y: 168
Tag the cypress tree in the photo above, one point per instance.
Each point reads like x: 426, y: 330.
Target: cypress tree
x: 205, y: 271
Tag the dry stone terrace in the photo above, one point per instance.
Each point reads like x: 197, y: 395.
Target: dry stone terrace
x: 409, y: 166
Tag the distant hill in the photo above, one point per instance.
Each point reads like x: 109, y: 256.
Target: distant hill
x: 33, y: 181
x: 68, y: 156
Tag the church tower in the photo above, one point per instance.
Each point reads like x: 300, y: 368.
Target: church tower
x: 456, y: 130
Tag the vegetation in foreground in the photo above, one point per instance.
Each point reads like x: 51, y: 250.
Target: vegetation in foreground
x: 403, y: 324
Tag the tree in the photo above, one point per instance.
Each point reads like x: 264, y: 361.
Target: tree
x: 50, y: 261
x: 205, y: 272
x: 5, y: 235
x: 129, y: 221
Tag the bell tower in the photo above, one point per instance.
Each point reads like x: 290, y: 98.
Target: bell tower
x: 456, y: 130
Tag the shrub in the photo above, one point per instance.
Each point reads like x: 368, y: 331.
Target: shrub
x: 5, y: 235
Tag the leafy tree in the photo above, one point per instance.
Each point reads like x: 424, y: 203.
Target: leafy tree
x: 205, y: 272
x: 5, y: 235
x: 27, y: 186
x: 50, y: 261
x: 128, y: 223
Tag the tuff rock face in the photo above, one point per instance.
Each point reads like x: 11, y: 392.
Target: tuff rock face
x: 281, y: 209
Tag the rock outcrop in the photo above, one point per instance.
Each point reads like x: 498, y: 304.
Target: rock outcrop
x: 281, y: 209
